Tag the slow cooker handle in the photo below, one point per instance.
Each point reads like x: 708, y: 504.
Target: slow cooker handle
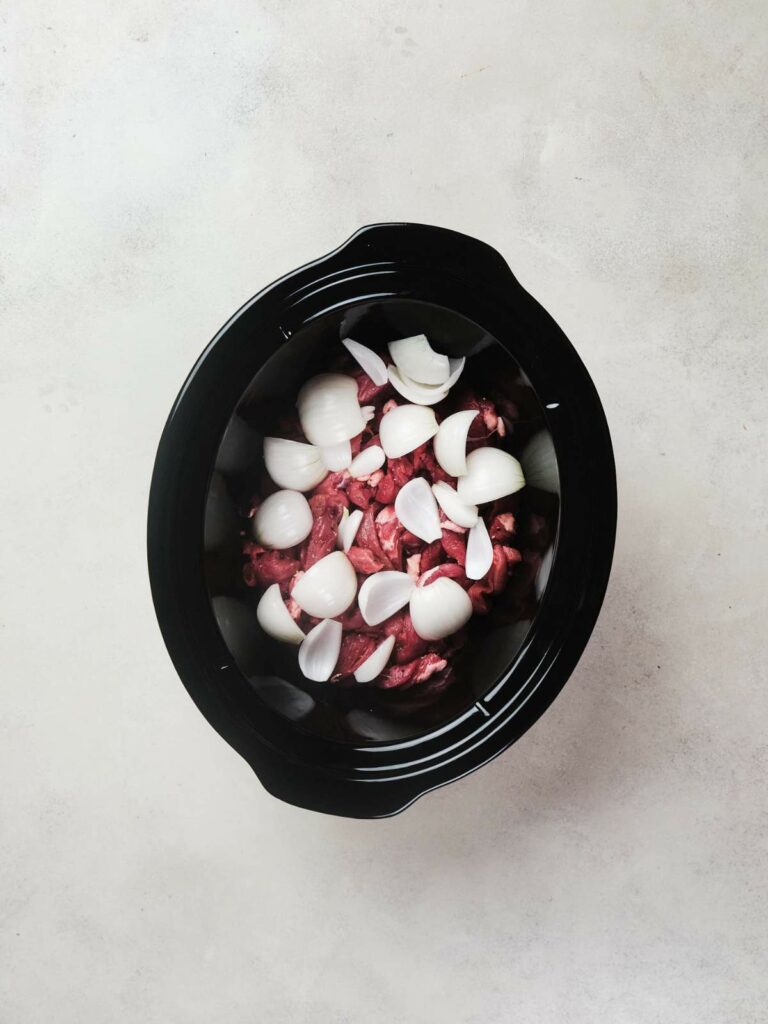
x: 441, y: 249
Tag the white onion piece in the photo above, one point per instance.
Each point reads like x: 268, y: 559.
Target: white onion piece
x: 415, y: 358
x: 336, y: 456
x: 293, y: 464
x: 404, y: 428
x: 420, y: 394
x: 329, y: 410
x: 282, y: 520
x: 375, y: 663
x: 319, y: 652
x: 370, y: 361
x: 479, y: 552
x: 344, y: 517
x: 383, y: 594
x: 453, y: 506
x: 491, y: 474
x: 275, y: 619
x: 416, y: 508
x: 451, y: 442
x: 348, y: 528
x: 539, y: 463
x: 366, y: 462
x: 368, y: 411
x: 328, y: 587
x: 439, y: 609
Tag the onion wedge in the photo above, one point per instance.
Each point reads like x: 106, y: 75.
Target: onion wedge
x: 319, y: 651
x: 375, y: 663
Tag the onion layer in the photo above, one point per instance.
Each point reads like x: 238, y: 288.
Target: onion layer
x: 416, y: 508
x: 383, y: 594
x: 404, y: 428
x: 491, y: 474
x: 282, y: 520
x: 439, y: 609
x: 293, y: 464
x: 319, y: 652
x: 366, y: 462
x: 453, y: 506
x: 451, y: 442
x: 336, y: 457
x: 419, y: 394
x: 375, y: 663
x: 328, y: 587
x: 368, y: 360
x: 328, y: 409
x: 348, y: 527
x: 275, y: 619
x: 479, y: 552
x: 415, y: 358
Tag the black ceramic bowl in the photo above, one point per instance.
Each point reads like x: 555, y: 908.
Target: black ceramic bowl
x: 359, y: 751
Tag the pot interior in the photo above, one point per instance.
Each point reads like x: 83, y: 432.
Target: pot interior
x: 270, y: 676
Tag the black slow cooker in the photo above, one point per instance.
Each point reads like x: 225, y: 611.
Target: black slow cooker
x: 358, y: 751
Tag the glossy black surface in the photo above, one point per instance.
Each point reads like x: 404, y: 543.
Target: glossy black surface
x: 377, y: 268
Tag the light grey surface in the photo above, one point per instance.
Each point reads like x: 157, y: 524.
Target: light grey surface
x: 162, y: 161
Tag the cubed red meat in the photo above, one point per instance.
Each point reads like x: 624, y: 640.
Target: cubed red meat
x: 369, y: 393
x: 367, y: 536
x: 455, y: 546
x: 432, y: 555
x: 335, y: 484
x: 361, y: 494
x: 502, y: 527
x: 425, y: 464
x: 449, y: 569
x: 389, y: 530
x: 355, y: 648
x: 493, y: 582
x: 387, y: 489
x: 413, y: 672
x: 512, y: 555
x: 270, y: 567
x: 408, y: 643
x: 353, y: 620
x: 398, y: 473
x: 411, y: 542
x: 401, y: 470
x: 486, y: 424
x: 327, y: 510
x: 365, y: 561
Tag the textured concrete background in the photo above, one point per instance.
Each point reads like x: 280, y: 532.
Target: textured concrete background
x: 161, y: 161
